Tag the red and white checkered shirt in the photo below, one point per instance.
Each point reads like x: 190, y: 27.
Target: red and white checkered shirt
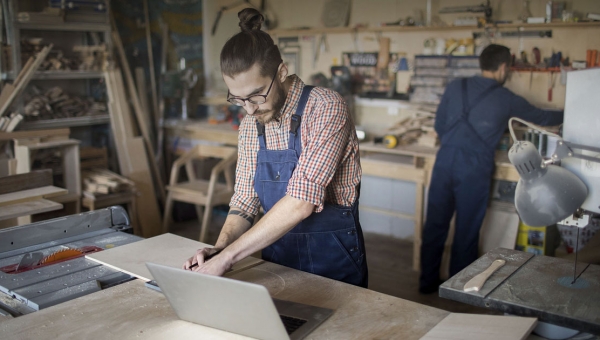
x: 328, y: 169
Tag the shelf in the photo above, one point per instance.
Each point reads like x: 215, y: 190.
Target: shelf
x: 65, y: 26
x: 340, y: 30
x: 54, y: 75
x: 65, y: 122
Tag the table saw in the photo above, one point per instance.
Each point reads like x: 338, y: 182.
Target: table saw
x: 530, y: 285
x: 43, y: 264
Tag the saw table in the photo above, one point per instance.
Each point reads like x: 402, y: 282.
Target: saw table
x: 62, y: 272
x: 538, y: 286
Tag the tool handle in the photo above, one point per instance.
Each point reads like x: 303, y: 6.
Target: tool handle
x: 475, y: 284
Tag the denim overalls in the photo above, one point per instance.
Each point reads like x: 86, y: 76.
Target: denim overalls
x: 329, y: 243
x: 460, y: 182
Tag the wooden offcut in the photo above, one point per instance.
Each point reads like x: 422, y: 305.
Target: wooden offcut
x: 28, y: 208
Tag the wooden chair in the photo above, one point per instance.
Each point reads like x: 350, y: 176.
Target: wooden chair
x: 202, y: 193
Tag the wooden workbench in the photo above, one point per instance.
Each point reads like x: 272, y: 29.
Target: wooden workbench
x: 414, y: 163
x: 131, y: 310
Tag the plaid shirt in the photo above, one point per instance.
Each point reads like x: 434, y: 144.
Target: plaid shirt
x: 328, y: 169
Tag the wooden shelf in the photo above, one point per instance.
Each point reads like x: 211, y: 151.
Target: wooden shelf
x: 65, y: 122
x: 65, y: 26
x: 341, y: 30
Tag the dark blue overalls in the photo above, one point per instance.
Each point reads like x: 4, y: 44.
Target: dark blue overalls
x: 329, y: 243
x: 460, y: 182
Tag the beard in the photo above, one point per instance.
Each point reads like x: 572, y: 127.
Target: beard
x: 274, y: 113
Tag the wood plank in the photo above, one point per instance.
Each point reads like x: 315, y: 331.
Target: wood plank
x: 28, y: 208
x: 30, y: 195
x: 30, y: 180
x: 473, y: 326
x: 166, y: 249
x: 139, y: 114
x: 151, y: 63
x: 5, y: 136
x: 137, y: 170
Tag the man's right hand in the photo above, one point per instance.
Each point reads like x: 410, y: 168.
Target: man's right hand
x: 199, y: 258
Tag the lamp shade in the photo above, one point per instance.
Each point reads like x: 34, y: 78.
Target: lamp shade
x: 545, y: 194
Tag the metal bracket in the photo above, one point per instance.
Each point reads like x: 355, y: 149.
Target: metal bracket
x: 564, y: 149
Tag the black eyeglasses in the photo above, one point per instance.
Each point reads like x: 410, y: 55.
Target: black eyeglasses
x: 256, y: 99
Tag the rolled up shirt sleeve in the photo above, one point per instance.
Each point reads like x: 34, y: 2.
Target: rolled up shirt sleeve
x: 325, y: 138
x: 245, y: 196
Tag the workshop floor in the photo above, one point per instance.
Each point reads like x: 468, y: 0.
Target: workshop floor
x: 389, y: 261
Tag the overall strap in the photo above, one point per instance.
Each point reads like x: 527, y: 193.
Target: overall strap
x: 262, y: 140
x: 297, y: 118
x: 478, y: 99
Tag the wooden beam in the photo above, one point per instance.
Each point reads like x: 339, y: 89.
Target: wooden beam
x: 30, y: 180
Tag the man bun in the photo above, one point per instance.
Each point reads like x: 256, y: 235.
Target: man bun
x: 250, y: 19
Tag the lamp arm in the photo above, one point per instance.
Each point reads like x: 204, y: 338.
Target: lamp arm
x: 537, y: 127
x: 564, y: 149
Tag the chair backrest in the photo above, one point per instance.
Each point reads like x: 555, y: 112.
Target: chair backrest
x: 214, y: 151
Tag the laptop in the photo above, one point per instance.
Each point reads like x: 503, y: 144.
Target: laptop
x: 235, y: 306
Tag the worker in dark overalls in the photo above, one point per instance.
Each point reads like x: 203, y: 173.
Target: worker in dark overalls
x: 470, y: 121
x: 298, y: 159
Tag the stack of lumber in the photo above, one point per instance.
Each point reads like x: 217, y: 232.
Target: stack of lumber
x: 80, y: 58
x: 55, y: 103
x: 90, y: 158
x: 103, y: 182
x: 411, y: 129
x: 11, y: 91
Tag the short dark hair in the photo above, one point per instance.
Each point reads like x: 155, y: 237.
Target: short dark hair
x: 249, y: 47
x: 493, y: 56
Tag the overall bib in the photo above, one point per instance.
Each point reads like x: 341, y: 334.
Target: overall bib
x: 329, y: 243
x: 460, y: 182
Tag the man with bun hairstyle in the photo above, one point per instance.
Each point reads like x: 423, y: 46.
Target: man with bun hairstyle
x: 297, y: 158
x: 470, y: 121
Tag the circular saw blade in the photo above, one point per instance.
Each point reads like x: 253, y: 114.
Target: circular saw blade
x: 61, y: 255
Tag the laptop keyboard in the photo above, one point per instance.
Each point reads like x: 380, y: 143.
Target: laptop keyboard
x: 291, y: 324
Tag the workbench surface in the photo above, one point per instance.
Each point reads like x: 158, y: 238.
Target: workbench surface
x: 131, y: 310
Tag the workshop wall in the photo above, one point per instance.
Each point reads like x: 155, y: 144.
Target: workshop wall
x: 572, y: 42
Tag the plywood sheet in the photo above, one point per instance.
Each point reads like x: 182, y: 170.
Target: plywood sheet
x: 28, y: 208
x: 474, y: 326
x: 167, y: 249
x: 30, y: 195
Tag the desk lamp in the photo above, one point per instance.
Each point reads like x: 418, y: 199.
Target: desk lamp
x: 546, y: 193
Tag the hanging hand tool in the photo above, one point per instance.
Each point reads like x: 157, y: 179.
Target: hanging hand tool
x: 475, y: 284
x: 551, y: 80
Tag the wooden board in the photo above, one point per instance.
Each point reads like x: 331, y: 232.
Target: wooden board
x: 28, y: 208
x: 30, y: 195
x: 473, y: 326
x: 6, y: 136
x: 149, y: 214
x: 30, y: 180
x: 167, y: 249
